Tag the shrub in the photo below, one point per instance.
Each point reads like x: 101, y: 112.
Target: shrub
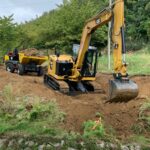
x: 94, y: 129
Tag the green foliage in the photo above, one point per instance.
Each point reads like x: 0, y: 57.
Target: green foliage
x: 140, y: 140
x: 135, y: 60
x: 143, y: 124
x: 9, y: 34
x: 19, y: 114
x: 93, y: 130
x: 137, y: 23
x: 144, y: 115
x: 62, y: 27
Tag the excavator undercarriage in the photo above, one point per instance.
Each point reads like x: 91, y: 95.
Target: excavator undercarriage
x: 66, y: 86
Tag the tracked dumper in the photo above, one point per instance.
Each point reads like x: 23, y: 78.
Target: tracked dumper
x: 78, y: 73
x: 24, y: 63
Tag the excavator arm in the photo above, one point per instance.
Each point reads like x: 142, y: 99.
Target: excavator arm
x: 91, y: 25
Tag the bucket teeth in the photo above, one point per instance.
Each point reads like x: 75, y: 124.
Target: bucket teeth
x: 120, y: 90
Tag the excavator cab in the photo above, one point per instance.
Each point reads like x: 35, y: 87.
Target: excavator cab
x: 90, y: 62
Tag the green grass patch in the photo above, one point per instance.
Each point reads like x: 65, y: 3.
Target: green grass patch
x: 93, y: 129
x: 138, y: 62
x: 28, y: 115
x: 140, y: 140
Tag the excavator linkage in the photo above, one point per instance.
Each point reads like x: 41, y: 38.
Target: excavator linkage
x: 122, y: 90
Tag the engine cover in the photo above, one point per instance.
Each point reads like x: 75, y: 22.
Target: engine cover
x: 64, y: 68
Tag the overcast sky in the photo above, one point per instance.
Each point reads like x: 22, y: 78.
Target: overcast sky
x: 25, y: 10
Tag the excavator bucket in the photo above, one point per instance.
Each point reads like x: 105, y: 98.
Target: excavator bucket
x: 122, y: 90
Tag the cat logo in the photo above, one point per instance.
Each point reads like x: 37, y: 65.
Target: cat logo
x: 98, y: 21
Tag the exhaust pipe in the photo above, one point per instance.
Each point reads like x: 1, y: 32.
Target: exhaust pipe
x: 122, y: 90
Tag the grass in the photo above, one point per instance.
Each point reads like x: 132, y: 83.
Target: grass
x: 143, y: 141
x: 29, y: 116
x: 138, y: 62
x: 142, y: 128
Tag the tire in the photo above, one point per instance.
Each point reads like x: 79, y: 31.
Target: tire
x: 40, y: 71
x: 20, y: 69
x: 10, y: 67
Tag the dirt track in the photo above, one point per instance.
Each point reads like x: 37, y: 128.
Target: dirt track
x: 82, y: 107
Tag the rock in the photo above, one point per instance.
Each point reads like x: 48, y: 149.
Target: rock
x: 48, y: 147
x: 82, y: 144
x: 131, y: 147
x: 101, y: 145
x: 57, y: 145
x: 30, y: 143
x: 134, y: 146
x: 112, y: 146
x: 12, y: 143
x: 62, y: 142
x: 42, y: 147
x: 20, y: 141
x: 124, y: 147
x: 137, y: 147
x: 70, y: 148
x: 3, y: 143
x: 27, y: 148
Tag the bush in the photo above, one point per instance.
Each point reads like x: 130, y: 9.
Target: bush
x: 94, y: 129
x: 29, y: 114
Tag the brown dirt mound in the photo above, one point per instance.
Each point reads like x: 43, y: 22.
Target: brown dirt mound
x: 32, y: 52
x: 82, y: 107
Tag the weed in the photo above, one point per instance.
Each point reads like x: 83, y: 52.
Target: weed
x: 144, y: 115
x: 29, y: 115
x: 137, y: 129
x: 94, y: 129
x: 140, y: 140
x: 9, y: 99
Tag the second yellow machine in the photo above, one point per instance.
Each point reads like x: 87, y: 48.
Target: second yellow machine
x: 77, y: 73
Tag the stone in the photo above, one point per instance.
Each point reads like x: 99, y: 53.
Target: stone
x: 101, y: 145
x: 12, y: 143
x: 3, y: 143
x: 124, y: 147
x: 62, y: 142
x: 57, y: 145
x: 137, y: 147
x: 48, y: 147
x: 20, y: 141
x: 42, y: 147
x: 30, y: 143
x: 27, y: 148
x: 113, y: 146
x: 70, y: 148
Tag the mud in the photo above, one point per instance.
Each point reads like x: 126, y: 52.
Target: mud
x: 120, y: 116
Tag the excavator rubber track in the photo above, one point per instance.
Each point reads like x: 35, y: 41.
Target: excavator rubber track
x: 68, y: 87
x: 55, y: 84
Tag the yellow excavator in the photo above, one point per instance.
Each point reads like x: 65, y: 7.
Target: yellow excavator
x: 78, y: 73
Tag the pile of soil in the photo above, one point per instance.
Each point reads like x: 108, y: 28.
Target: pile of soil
x: 32, y: 52
x: 120, y: 116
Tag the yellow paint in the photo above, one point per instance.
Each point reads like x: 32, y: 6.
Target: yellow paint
x: 25, y: 59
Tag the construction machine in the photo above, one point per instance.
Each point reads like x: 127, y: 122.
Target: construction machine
x: 78, y: 73
x: 24, y: 63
